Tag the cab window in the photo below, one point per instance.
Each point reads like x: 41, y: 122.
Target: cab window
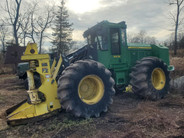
x: 99, y: 40
x: 123, y: 32
x: 115, y: 41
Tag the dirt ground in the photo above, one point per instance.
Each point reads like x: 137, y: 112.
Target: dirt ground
x: 127, y: 117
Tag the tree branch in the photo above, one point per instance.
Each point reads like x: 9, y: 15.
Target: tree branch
x: 8, y: 10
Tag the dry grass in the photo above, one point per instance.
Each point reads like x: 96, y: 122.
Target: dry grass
x: 5, y: 69
x: 178, y: 63
x: 180, y: 53
x: 127, y: 117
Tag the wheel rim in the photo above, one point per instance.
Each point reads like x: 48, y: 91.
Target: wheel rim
x: 91, y: 89
x: 158, y: 78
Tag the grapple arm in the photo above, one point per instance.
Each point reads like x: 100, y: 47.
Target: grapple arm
x: 43, y: 100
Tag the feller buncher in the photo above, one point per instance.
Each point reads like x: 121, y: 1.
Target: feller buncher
x: 86, y: 85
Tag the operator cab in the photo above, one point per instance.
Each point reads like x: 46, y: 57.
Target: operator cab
x: 107, y: 36
x: 99, y: 38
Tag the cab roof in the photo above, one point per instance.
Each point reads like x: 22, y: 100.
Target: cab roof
x: 102, y: 25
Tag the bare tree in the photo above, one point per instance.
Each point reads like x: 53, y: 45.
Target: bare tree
x: 25, y: 26
x: 30, y: 22
x: 39, y: 23
x: 3, y: 35
x: 44, y: 23
x: 141, y: 37
x: 176, y: 19
x: 31, y: 32
x: 150, y: 40
x: 14, y: 13
x: 181, y: 42
x: 137, y: 38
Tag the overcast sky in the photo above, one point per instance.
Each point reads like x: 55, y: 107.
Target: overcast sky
x: 149, y: 15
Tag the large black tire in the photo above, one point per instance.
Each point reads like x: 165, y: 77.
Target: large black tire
x: 150, y: 78
x: 87, y: 72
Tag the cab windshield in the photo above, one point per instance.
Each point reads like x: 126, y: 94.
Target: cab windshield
x: 99, y: 40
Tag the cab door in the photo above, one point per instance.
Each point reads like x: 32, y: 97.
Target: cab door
x: 115, y: 42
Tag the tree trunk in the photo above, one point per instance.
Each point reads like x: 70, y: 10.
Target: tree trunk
x: 24, y: 40
x: 176, y: 31
x: 15, y: 28
x: 15, y: 35
x: 3, y: 43
x: 41, y: 37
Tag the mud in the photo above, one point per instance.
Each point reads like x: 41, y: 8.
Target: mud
x: 128, y: 117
